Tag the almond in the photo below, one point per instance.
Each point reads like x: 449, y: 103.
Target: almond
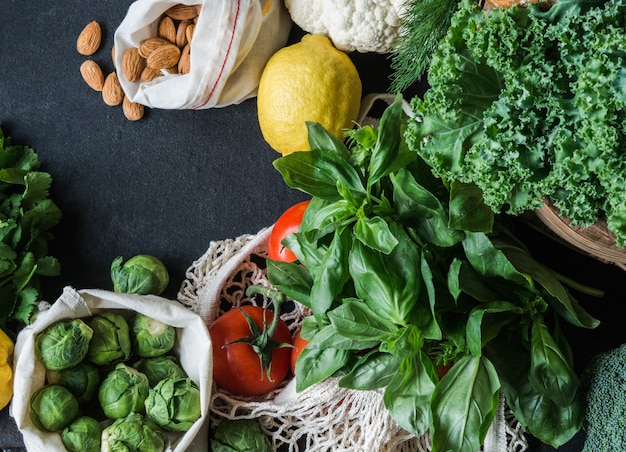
x: 164, y: 57
x: 189, y: 31
x: 89, y: 39
x: 113, y: 55
x: 148, y: 74
x: 132, y: 110
x: 184, y: 63
x: 181, y: 33
x: 112, y: 93
x: 132, y: 64
x: 167, y: 29
x: 148, y: 45
x: 182, y: 12
x: 92, y: 74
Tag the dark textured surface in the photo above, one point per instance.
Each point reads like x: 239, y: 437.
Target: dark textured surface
x: 171, y: 183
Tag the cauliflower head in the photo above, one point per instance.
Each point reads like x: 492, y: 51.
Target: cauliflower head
x: 361, y: 25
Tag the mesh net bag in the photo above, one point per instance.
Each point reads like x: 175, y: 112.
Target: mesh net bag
x: 325, y: 416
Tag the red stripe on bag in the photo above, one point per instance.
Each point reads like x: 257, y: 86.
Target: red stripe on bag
x: 230, y: 43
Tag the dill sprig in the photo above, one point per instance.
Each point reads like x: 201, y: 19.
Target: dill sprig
x: 424, y: 24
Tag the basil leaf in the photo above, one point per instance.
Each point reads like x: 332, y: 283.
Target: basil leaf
x: 355, y: 320
x: 419, y: 209
x: 473, y: 330
x: 464, y: 404
x: 323, y: 217
x: 408, y: 395
x: 425, y: 317
x: 561, y: 300
x: 322, y: 140
x: 389, y: 284
x: 372, y: 371
x: 291, y: 279
x: 317, y: 172
x: 374, y: 233
x: 317, y: 364
x: 387, y: 143
x: 550, y: 422
x: 467, y: 209
x: 487, y: 260
x: 550, y: 371
x: 332, y: 273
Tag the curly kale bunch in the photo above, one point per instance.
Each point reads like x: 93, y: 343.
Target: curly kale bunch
x: 528, y: 103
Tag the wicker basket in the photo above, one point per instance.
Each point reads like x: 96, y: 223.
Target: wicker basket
x: 596, y: 241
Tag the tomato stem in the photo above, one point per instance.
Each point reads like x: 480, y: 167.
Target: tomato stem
x: 261, y: 340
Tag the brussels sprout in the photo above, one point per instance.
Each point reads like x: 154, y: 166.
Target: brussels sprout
x: 111, y: 339
x: 241, y: 435
x: 82, y: 380
x: 159, y: 368
x: 53, y: 407
x: 174, y: 404
x: 151, y: 337
x: 63, y: 344
x: 82, y: 435
x: 133, y: 433
x: 142, y: 274
x: 124, y: 390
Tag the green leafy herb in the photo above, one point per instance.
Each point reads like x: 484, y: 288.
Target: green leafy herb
x: 402, y: 283
x: 528, y: 103
x: 424, y: 24
x: 27, y: 216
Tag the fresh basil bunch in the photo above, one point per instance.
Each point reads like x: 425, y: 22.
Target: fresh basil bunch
x: 405, y: 274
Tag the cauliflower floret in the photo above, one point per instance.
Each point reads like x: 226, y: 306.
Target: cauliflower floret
x: 361, y: 25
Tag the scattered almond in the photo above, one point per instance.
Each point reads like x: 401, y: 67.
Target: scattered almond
x: 112, y: 93
x: 164, y: 57
x: 132, y: 64
x: 89, y: 39
x: 182, y: 12
x: 113, y: 55
x: 92, y: 74
x: 167, y: 29
x: 132, y: 110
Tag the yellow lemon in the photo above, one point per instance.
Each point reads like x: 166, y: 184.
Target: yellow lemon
x: 6, y: 369
x: 307, y: 81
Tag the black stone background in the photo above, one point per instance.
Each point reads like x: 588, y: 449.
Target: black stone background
x: 176, y: 180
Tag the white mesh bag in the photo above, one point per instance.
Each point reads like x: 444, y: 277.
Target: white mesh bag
x: 325, y: 416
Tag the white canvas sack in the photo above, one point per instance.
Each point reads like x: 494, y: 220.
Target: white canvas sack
x: 232, y: 41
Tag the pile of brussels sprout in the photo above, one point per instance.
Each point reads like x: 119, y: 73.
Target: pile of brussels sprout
x: 112, y: 383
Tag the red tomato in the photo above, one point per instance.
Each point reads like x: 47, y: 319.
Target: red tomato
x: 298, y: 345
x: 286, y: 224
x: 237, y: 367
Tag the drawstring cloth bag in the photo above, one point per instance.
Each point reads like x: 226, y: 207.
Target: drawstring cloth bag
x: 324, y: 416
x: 192, y: 348
x: 232, y: 41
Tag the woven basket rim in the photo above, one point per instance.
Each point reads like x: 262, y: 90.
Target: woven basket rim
x: 595, y: 240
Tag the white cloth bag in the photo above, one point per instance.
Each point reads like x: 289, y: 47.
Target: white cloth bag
x: 192, y: 347
x: 232, y: 41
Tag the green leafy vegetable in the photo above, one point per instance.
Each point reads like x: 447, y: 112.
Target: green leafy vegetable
x: 27, y: 217
x: 240, y: 435
x: 424, y: 24
x: 174, y: 404
x: 82, y: 435
x: 133, y: 433
x: 404, y: 280
x: 529, y: 103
